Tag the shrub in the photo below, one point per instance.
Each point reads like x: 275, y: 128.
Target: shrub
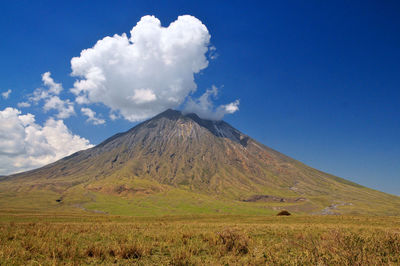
x: 284, y: 213
x: 234, y: 241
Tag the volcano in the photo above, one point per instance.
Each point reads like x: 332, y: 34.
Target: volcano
x: 178, y: 163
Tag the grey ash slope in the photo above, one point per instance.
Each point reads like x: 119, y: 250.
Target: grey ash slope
x: 207, y: 157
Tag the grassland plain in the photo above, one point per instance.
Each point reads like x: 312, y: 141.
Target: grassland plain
x: 76, y: 239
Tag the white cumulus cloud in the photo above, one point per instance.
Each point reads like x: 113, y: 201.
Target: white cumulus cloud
x: 92, y: 116
x: 204, y: 107
x: 6, y: 94
x: 25, y: 145
x: 140, y: 75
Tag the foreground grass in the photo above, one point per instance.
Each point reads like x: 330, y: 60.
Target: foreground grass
x: 29, y: 239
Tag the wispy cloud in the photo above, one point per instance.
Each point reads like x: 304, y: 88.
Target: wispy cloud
x: 24, y: 104
x: 204, y: 106
x: 65, y: 108
x: 6, y: 94
x: 50, y: 96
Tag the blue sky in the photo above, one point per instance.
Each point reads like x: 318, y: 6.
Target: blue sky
x: 317, y: 81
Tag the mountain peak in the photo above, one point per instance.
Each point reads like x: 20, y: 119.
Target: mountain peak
x: 170, y: 114
x: 219, y: 129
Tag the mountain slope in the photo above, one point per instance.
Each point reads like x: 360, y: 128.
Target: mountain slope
x: 175, y: 163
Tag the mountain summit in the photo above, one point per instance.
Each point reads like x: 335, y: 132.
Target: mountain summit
x: 180, y: 163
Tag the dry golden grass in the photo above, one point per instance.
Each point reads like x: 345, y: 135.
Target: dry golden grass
x: 189, y: 240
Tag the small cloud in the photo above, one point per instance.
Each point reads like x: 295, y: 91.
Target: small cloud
x: 24, y: 104
x: 204, y: 107
x: 38, y: 95
x: 212, y: 53
x: 113, y: 116
x: 65, y: 108
x: 54, y: 88
x: 231, y: 107
x: 6, y: 94
x: 92, y: 116
x: 50, y: 96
